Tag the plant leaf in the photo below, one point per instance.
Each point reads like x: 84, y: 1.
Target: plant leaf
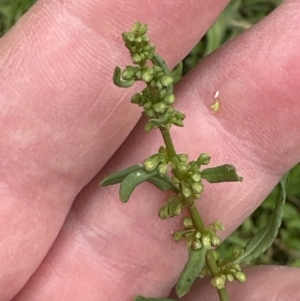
x: 119, y: 176
x: 191, y: 271
x: 222, y: 173
x: 176, y: 72
x: 131, y: 181
x: 141, y: 298
x: 265, y: 236
x: 164, y: 183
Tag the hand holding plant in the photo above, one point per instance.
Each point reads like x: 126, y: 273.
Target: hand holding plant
x: 62, y: 120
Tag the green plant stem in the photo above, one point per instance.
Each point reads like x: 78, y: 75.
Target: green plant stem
x: 168, y: 142
x: 211, y: 262
x: 223, y: 295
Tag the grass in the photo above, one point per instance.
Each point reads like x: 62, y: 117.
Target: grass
x: 237, y: 17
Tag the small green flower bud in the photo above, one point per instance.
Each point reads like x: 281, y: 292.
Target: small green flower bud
x: 196, y: 178
x: 183, y: 167
x: 218, y: 226
x: 147, y: 105
x: 188, y: 223
x: 177, y: 209
x: 136, y: 58
x: 162, y: 169
x: 206, y: 241
x: 187, y: 192
x: 150, y: 113
x: 162, y: 94
x: 148, y: 127
x: 236, y: 267
x: 164, y: 212
x: 138, y: 40
x: 129, y: 36
x: 137, y: 98
x: 170, y: 99
x: 177, y: 236
x: 147, y: 75
x: 129, y: 72
x: 204, y: 159
x: 218, y: 282
x: 240, y: 277
x: 229, y: 277
x: 160, y: 107
x: 158, y: 85
x: 150, y: 164
x: 142, y: 56
x: 197, y: 187
x: 196, y: 244
x: 162, y: 150
x: 142, y: 29
x: 138, y: 75
x: 215, y: 241
x: 182, y: 157
x: 198, y: 234
x: 166, y: 80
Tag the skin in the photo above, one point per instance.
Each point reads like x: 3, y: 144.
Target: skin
x: 65, y: 126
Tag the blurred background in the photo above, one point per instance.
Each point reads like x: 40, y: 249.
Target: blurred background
x: 237, y: 17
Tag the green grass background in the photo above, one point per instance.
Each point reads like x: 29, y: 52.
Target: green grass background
x: 237, y: 17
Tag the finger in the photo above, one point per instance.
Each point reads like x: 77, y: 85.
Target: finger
x: 263, y: 283
x: 61, y: 117
x: 123, y: 250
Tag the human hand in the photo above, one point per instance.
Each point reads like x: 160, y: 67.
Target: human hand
x: 62, y: 119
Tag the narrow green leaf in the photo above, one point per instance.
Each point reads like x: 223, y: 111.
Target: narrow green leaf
x: 265, y: 237
x: 222, y: 173
x: 176, y: 72
x: 164, y: 183
x: 141, y: 298
x: 119, y: 176
x: 191, y: 271
x: 131, y: 181
x: 118, y: 81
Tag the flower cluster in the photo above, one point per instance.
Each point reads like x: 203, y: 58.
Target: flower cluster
x: 228, y: 271
x: 230, y: 274
x: 157, y: 98
x: 187, y: 175
x: 195, y: 239
x: 138, y: 44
